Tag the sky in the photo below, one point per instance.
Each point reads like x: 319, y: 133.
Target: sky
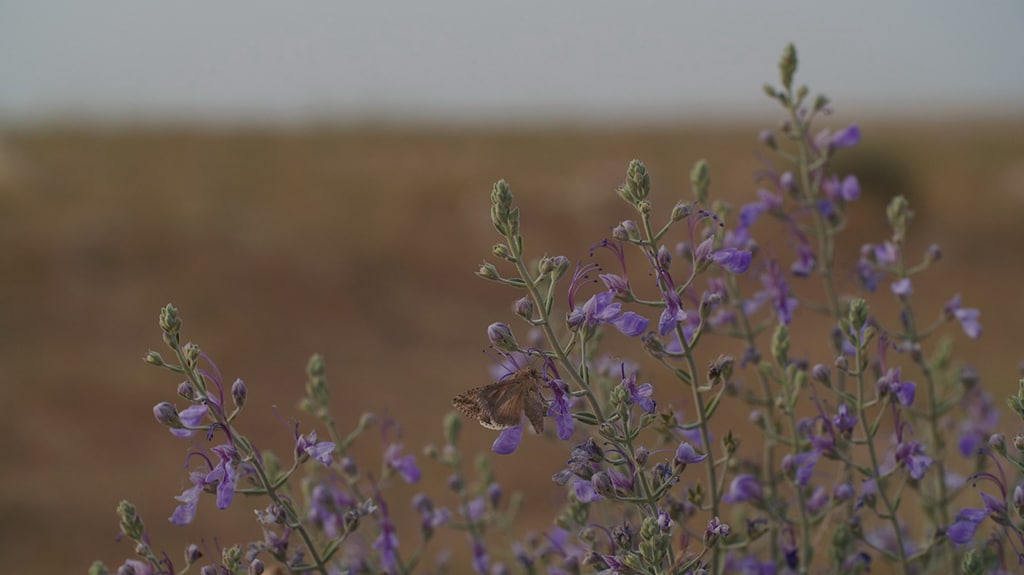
x: 477, y: 61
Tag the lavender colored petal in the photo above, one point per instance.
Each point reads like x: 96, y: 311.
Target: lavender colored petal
x: 631, y: 324
x: 508, y: 440
x: 584, y: 491
x: 847, y: 137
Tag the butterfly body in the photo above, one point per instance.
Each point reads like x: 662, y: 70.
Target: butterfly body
x: 502, y: 404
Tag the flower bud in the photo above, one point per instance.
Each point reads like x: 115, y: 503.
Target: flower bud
x: 131, y: 522
x: 787, y: 66
x: 502, y: 251
x: 154, y: 358
x: 664, y: 258
x: 192, y: 354
x: 767, y: 139
x: 638, y: 181
x: 167, y: 414
x: 700, y: 181
x: 821, y: 373
x: 680, y: 212
x: 187, y: 391
x: 523, y: 307
x: 256, y: 567
x: 239, y: 392
x: 452, y: 427
x: 780, y: 345
x: 899, y: 215
x: 602, y: 483
x: 640, y: 455
x: 998, y: 443
x: 488, y: 272
x: 500, y: 336
x: 192, y: 553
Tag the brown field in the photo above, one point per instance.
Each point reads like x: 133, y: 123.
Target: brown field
x: 361, y: 244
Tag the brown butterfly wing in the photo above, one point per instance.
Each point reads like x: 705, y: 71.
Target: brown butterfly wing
x: 502, y: 404
x: 535, y: 406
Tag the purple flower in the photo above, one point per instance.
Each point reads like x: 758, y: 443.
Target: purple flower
x: 671, y: 315
x: 848, y: 190
x: 980, y: 419
x: 475, y: 509
x: 844, y: 420
x: 743, y: 488
x: 968, y: 317
x: 767, y: 201
x: 480, y: 559
x: 508, y: 440
x: 405, y: 465
x: 912, y: 455
x: 731, y: 259
x: 186, y: 512
x: 902, y: 287
x: 584, y: 490
x: 318, y: 450
x: 818, y: 499
x: 903, y: 390
x: 805, y: 262
x: 639, y: 394
x: 224, y: 474
x: 966, y: 525
x: 387, y: 541
x: 190, y: 417
x: 845, y: 138
x: 686, y: 454
x: 559, y: 408
x: 775, y: 290
x: 137, y: 567
x: 801, y: 465
x: 601, y: 309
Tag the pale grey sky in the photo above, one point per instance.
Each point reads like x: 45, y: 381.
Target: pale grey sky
x: 466, y: 60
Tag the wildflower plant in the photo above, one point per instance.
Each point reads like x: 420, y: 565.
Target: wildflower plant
x: 876, y: 448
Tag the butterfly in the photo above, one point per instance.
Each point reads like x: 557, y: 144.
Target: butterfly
x: 502, y: 404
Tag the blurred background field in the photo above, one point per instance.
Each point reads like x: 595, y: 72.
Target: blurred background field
x: 317, y: 179
x: 361, y: 244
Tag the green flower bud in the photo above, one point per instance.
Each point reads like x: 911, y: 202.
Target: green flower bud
x: 787, y: 66
x: 154, y: 358
x: 502, y: 251
x: 488, y: 272
x: 638, y: 181
x: 858, y: 315
x: 780, y: 345
x: 452, y: 427
x: 680, y: 212
x: 131, y: 522
x: 700, y: 181
x: 899, y: 215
